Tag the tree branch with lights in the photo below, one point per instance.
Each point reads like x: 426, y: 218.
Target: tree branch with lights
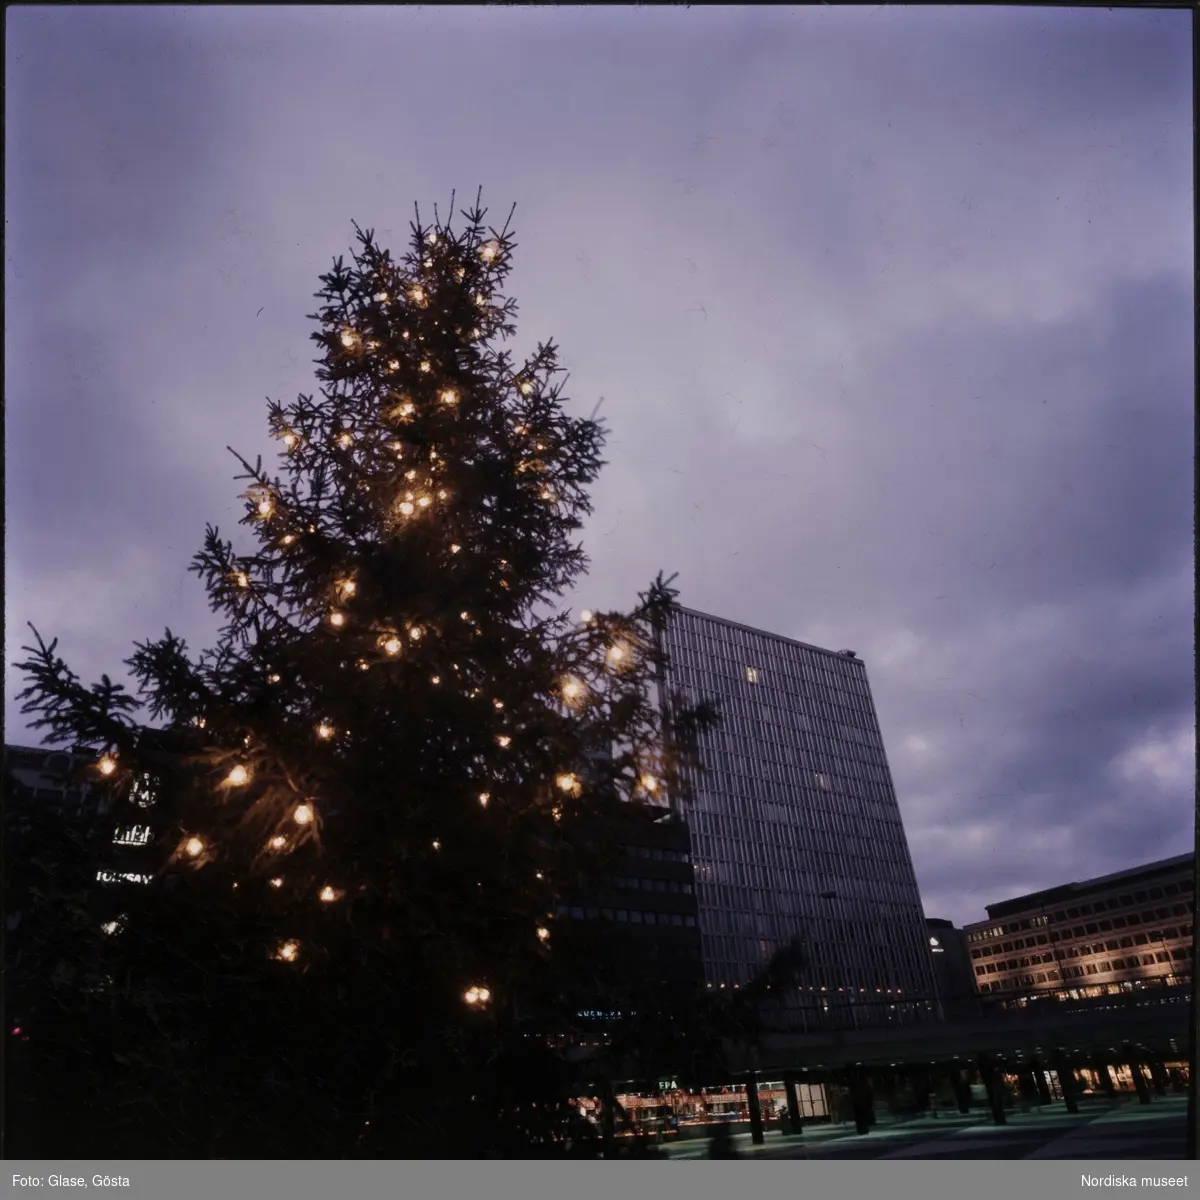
x: 364, y: 795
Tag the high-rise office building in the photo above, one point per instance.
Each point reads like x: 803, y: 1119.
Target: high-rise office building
x: 796, y: 831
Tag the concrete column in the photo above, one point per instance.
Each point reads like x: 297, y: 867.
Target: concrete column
x: 608, y: 1119
x: 1158, y: 1075
x: 1066, y: 1081
x: 1106, y: 1080
x: 756, y: 1122
x: 991, y: 1081
x: 795, y: 1113
x: 860, y: 1095
x: 921, y: 1090
x: 962, y: 1092
x: 1039, y: 1079
x: 1134, y: 1059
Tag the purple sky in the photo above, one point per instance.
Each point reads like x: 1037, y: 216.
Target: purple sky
x: 891, y: 312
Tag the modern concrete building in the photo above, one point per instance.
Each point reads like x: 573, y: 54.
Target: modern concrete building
x: 1116, y: 933
x: 952, y: 970
x: 645, y: 904
x: 795, y: 826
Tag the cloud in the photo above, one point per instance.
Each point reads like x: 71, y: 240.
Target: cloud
x: 1166, y: 763
x: 890, y: 312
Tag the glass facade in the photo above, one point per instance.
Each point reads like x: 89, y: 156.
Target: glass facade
x: 795, y: 826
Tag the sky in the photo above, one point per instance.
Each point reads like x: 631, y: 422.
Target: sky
x: 890, y: 311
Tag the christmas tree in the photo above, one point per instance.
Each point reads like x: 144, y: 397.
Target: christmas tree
x: 364, y: 800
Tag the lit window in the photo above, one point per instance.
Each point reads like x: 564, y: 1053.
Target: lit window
x: 751, y: 674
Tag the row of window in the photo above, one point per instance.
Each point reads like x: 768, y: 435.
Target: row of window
x: 1083, y: 910
x: 656, y: 855
x: 640, y: 883
x: 1143, y: 918
x: 1133, y: 963
x: 1179, y: 954
x: 628, y: 915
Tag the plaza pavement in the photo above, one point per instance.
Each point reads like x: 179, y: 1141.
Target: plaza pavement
x: 1105, y: 1130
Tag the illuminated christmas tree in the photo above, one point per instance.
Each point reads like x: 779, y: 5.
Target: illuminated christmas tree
x: 363, y: 798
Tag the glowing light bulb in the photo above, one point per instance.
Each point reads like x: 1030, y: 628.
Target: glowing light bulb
x: 431, y: 238
x: 363, y: 665
x: 241, y: 579
x: 107, y: 765
x: 344, y: 440
x: 349, y: 337
x: 392, y: 645
x: 572, y: 690
x: 526, y: 387
x: 586, y: 616
x: 417, y: 295
x: 303, y: 814
x: 543, y: 934
x: 194, y: 847
x: 410, y: 475
x: 436, y: 845
x: 489, y: 250
x: 650, y: 783
x: 348, y: 587
x: 455, y: 548
x: 477, y: 995
x: 238, y: 776
x: 416, y: 633
x: 328, y: 894
x: 289, y: 951
x: 616, y: 655
x: 278, y: 842
x: 287, y: 539
x: 442, y: 493
x: 498, y: 705
x: 466, y: 616
x: 266, y: 507
x: 484, y: 797
x: 503, y: 741
x: 289, y: 440
x: 567, y: 783
x: 426, y: 365
x: 406, y: 507
x: 424, y: 502
x: 337, y: 619
x: 449, y: 396
x: 538, y: 875
x: 272, y: 678
x: 436, y: 679
x: 324, y: 731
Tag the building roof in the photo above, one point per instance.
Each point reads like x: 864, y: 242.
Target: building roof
x: 842, y: 655
x: 1034, y: 901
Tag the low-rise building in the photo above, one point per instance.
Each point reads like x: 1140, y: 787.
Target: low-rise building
x: 1116, y: 933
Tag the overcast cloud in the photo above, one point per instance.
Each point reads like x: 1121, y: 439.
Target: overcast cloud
x: 891, y: 313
